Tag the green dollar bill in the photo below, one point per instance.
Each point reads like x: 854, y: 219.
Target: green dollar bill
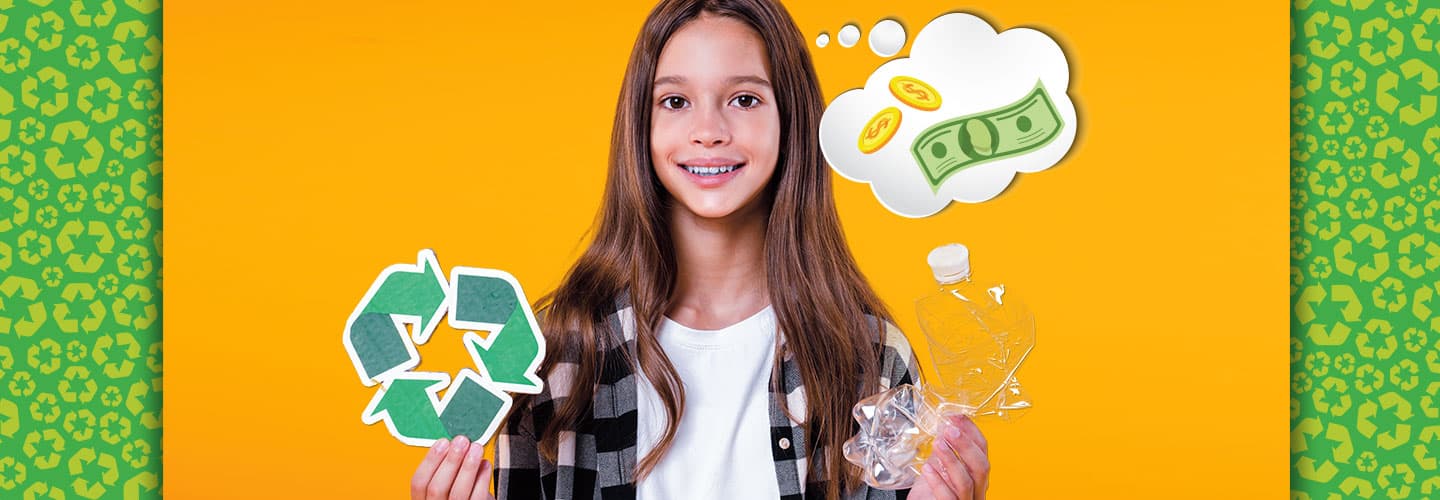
x: 1024, y: 126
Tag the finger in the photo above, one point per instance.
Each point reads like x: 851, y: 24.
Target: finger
x: 972, y: 432
x: 465, y: 480
x: 974, y: 451
x: 952, y: 468
x: 426, y: 470
x: 482, y: 486
x: 445, y: 475
x: 939, y: 489
x: 974, y: 459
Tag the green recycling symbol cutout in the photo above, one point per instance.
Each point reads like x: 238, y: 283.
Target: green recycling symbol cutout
x: 384, y: 352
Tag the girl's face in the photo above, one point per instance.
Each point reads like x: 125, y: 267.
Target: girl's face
x: 715, y: 131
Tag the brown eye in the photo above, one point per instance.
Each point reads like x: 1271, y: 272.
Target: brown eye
x: 746, y: 101
x: 673, y: 102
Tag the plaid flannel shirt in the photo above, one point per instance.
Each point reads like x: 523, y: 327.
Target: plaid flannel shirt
x: 598, y: 459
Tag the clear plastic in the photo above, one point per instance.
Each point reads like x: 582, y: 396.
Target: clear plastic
x: 978, y: 335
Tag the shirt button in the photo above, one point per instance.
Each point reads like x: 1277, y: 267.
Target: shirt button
x: 784, y: 443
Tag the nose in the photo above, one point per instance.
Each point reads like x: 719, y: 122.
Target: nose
x: 709, y: 128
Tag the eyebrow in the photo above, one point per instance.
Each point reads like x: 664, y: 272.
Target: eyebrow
x: 678, y: 80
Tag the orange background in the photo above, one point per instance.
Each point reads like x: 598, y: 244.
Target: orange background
x: 311, y: 144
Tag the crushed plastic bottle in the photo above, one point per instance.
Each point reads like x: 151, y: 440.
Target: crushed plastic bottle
x: 978, y: 335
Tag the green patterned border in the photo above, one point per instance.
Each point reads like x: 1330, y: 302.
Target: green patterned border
x: 80, y: 248
x: 1365, y: 245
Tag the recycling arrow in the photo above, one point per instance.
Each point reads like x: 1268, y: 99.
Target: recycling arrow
x: 403, y: 294
x: 408, y: 404
x: 142, y: 485
x: 383, y: 351
x: 9, y: 418
x: 486, y: 299
x: 23, y: 288
x: 412, y: 410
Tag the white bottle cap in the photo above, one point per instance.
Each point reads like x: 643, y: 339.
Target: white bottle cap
x: 950, y: 263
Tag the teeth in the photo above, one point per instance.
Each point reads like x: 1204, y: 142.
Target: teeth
x: 708, y: 171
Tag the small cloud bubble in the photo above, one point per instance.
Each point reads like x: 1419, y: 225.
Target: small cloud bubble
x: 849, y: 35
x: 887, y: 37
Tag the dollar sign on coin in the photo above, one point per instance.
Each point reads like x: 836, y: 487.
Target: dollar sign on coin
x: 915, y: 93
x: 879, y: 130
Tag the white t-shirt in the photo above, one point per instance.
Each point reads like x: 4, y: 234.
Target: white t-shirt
x: 722, y: 445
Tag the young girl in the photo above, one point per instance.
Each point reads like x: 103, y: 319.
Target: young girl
x: 713, y: 338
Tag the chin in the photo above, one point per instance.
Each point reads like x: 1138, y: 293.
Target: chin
x: 710, y: 206
x: 711, y: 210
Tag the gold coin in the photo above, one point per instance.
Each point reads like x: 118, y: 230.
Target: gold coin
x: 915, y: 93
x: 879, y: 130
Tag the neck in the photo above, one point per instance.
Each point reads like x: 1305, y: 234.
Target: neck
x: 721, y: 278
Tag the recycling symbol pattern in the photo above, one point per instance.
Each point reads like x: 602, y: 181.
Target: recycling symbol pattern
x: 1365, y: 249
x: 384, y: 352
x: 80, y: 245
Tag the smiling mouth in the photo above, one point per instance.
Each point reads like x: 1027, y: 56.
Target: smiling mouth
x: 712, y: 171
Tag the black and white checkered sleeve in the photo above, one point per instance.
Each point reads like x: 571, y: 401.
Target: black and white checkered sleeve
x: 517, y: 454
x: 898, y: 364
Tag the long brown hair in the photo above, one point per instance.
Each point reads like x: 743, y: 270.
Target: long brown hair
x: 819, y: 297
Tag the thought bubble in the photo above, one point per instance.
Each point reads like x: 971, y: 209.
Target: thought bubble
x: 886, y: 37
x: 976, y: 108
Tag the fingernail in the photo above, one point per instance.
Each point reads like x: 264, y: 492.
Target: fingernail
x: 442, y: 445
x: 928, y: 469
x: 476, y: 451
x: 953, y: 432
x: 460, y: 441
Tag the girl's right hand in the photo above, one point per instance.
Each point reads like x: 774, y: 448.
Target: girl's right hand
x: 959, y: 466
x: 454, y: 470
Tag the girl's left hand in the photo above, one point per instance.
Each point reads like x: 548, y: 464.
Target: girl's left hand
x: 959, y: 465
